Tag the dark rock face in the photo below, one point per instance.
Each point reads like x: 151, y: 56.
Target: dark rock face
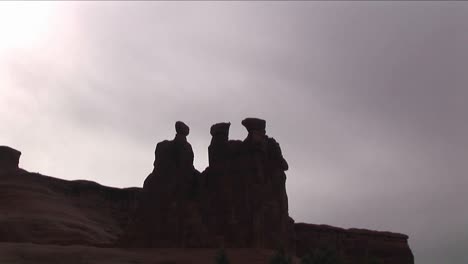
x: 238, y: 201
x: 44, y: 210
x: 9, y: 158
x: 354, y: 246
x: 182, y: 128
x: 167, y: 209
x: 254, y: 124
x: 218, y: 149
x: 244, y: 195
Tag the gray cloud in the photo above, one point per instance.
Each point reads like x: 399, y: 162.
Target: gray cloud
x: 366, y: 99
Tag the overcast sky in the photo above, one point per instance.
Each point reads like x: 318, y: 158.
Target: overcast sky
x: 367, y: 99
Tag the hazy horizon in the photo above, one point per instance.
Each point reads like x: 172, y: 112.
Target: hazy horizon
x: 367, y: 100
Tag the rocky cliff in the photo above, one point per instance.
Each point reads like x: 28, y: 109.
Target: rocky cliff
x: 238, y: 201
x: 39, y: 209
x: 354, y: 245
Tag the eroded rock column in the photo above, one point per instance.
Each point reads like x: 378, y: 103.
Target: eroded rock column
x: 167, y: 215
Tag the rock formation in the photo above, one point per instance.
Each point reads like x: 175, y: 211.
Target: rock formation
x: 238, y: 201
x: 354, y: 245
x: 244, y: 192
x: 165, y: 217
x: 218, y: 149
x: 9, y: 158
x: 43, y: 210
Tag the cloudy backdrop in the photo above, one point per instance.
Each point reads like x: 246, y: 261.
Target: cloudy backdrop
x: 368, y: 100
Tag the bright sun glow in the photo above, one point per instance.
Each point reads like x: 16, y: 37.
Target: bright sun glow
x: 23, y: 24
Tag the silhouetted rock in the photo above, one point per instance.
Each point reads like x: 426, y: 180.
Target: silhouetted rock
x: 9, y: 158
x: 167, y: 212
x: 218, y: 149
x: 354, y: 246
x: 238, y: 201
x: 220, y: 130
x: 44, y: 210
x: 182, y: 128
x: 275, y: 155
x: 254, y: 124
x: 247, y: 195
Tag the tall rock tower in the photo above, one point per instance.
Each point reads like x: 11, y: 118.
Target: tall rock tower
x: 240, y: 200
x: 168, y: 205
x: 246, y: 201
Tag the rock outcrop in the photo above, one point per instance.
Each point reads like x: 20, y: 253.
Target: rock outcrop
x: 43, y: 210
x: 238, y: 201
x: 9, y: 158
x: 354, y: 246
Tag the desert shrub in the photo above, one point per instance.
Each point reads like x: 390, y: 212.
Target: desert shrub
x: 280, y: 257
x: 221, y: 257
x: 322, y: 256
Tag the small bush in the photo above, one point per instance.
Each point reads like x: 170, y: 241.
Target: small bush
x: 322, y: 256
x: 221, y: 257
x: 281, y: 257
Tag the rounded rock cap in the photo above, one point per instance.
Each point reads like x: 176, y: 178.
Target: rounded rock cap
x: 182, y: 128
x: 220, y: 129
x: 254, y: 124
